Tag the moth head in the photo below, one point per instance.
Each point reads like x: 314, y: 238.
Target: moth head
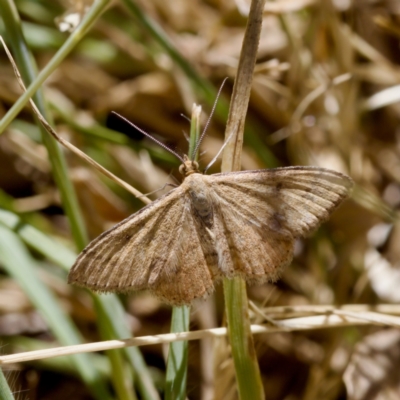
x: 189, y: 166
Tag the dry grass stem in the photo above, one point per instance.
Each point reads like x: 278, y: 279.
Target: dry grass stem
x: 326, y: 321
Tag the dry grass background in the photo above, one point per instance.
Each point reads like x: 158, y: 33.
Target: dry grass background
x: 326, y: 93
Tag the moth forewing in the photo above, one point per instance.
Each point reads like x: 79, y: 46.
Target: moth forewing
x: 103, y: 264
x: 298, y: 199
x: 233, y: 224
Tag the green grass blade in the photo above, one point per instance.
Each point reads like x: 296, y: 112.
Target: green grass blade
x: 43, y: 244
x: 5, y: 391
x: 122, y: 385
x: 16, y: 260
x: 246, y: 367
x: 175, y: 385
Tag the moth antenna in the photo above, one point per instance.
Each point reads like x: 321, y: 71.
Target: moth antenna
x: 186, y: 117
x: 65, y: 143
x: 165, y: 147
x: 186, y: 136
x: 158, y: 190
x: 196, y: 149
x: 174, y: 179
x: 219, y: 152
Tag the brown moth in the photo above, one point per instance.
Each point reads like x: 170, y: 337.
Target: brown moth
x: 211, y: 226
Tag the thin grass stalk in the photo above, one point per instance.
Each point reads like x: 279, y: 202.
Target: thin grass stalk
x: 88, y: 20
x: 236, y: 304
x: 5, y: 391
x: 61, y: 365
x: 37, y: 240
x: 327, y: 320
x: 176, y: 376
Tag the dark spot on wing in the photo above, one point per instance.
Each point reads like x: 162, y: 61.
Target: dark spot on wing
x: 276, y: 221
x: 277, y: 224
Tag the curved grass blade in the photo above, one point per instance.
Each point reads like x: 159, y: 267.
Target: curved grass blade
x: 35, y: 239
x: 16, y: 260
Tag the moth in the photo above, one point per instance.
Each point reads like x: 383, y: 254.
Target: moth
x: 211, y: 226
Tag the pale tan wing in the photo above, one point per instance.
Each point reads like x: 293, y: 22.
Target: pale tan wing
x: 261, y: 212
x: 297, y: 199
x: 148, y: 251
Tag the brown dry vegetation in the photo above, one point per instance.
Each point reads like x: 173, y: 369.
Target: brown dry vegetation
x: 325, y: 93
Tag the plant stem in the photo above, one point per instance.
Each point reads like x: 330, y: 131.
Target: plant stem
x: 246, y: 366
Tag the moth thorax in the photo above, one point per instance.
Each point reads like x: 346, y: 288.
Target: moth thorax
x: 199, y: 195
x: 202, y: 204
x: 189, y: 167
